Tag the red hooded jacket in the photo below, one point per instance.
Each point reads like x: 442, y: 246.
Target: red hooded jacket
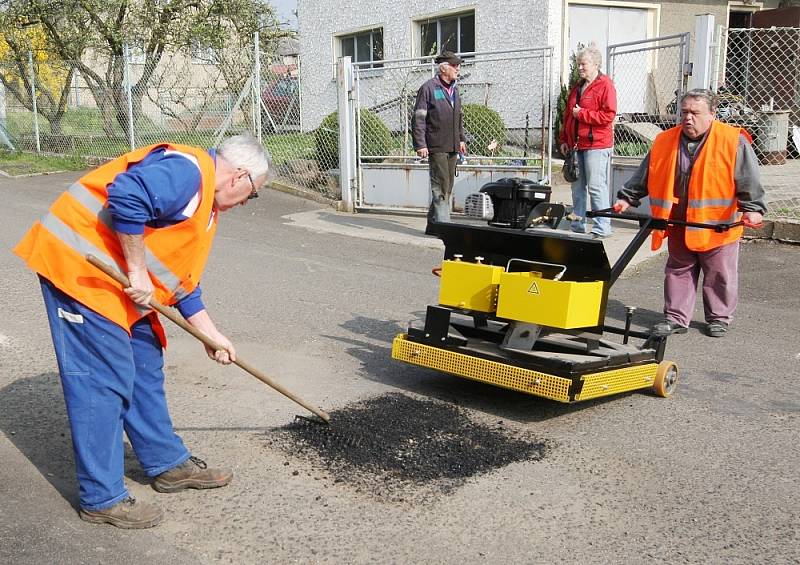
x: 598, y: 107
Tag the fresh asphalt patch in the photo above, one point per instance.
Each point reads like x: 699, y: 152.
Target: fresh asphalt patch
x: 395, y: 445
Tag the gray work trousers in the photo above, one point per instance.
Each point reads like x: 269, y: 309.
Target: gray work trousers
x: 442, y: 169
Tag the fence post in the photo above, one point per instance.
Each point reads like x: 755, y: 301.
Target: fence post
x: 300, y: 91
x: 553, y: 93
x: 128, y: 92
x: 714, y: 49
x: 33, y: 101
x: 703, y: 41
x: 257, y: 84
x: 684, y: 72
x: 77, y: 100
x: 2, y: 107
x: 347, y: 161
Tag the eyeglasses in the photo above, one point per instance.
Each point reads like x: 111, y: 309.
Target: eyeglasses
x: 253, y: 191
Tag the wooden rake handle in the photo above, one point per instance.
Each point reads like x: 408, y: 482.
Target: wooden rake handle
x: 179, y: 320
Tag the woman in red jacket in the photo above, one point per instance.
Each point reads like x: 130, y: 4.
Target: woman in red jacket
x: 588, y: 119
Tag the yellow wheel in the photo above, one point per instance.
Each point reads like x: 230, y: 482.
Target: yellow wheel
x: 666, y: 379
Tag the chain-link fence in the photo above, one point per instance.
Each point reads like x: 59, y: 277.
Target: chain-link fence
x: 178, y: 102
x: 649, y: 77
x: 758, y: 78
x: 298, y: 160
x: 505, y: 100
x: 15, y: 117
x: 100, y: 107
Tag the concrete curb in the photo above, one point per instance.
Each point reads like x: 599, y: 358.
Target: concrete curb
x: 304, y: 193
x: 783, y: 230
x: 28, y: 175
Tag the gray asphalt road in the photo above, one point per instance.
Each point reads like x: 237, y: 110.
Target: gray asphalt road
x: 709, y: 475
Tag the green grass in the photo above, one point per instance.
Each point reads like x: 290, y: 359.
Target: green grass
x: 282, y: 147
x: 17, y: 163
x: 288, y: 146
x: 77, y: 121
x: 83, y: 134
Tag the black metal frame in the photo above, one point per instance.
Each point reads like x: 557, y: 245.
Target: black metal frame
x: 482, y: 335
x: 569, y: 354
x: 646, y: 225
x: 458, y: 331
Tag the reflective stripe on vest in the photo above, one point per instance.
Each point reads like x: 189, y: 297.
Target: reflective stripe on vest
x: 73, y: 240
x: 660, y: 203
x: 156, y: 267
x: 709, y: 203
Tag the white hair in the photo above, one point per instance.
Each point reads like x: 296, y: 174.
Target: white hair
x: 593, y: 53
x: 245, y: 152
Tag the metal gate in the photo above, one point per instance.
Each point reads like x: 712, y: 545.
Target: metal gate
x: 650, y: 77
x: 507, y: 102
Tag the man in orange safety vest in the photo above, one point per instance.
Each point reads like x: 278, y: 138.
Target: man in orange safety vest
x: 152, y: 213
x: 701, y: 171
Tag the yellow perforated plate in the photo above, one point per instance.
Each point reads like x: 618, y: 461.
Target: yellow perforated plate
x: 605, y: 383
x: 499, y: 374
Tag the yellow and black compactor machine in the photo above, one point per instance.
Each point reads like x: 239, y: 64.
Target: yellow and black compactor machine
x: 522, y: 306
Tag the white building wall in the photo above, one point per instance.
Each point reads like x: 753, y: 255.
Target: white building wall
x: 555, y: 33
x: 499, y: 25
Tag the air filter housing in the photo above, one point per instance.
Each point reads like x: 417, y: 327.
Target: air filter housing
x: 479, y: 205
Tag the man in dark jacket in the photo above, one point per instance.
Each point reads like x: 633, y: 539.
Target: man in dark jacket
x: 439, y: 132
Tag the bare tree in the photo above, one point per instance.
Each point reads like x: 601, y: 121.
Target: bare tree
x: 155, y: 27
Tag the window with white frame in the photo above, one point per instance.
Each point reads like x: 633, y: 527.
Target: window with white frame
x: 363, y: 47
x: 454, y: 33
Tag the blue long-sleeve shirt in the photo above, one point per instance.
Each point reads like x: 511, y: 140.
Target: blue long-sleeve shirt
x: 161, y: 190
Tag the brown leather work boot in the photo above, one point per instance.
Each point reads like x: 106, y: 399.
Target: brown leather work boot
x: 129, y: 514
x: 192, y: 473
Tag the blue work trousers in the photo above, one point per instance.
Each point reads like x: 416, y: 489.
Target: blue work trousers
x: 593, y: 165
x: 112, y: 382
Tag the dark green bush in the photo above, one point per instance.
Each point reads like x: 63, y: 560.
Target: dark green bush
x: 563, y: 96
x: 376, y: 139
x: 483, y: 126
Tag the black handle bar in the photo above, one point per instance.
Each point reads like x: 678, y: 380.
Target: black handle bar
x: 658, y: 223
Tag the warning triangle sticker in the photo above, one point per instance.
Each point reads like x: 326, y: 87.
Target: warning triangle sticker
x: 534, y: 289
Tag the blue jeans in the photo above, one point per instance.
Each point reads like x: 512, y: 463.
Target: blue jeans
x: 593, y: 165
x: 112, y: 382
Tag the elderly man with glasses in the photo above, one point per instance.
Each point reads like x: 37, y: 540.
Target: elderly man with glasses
x: 439, y: 132
x: 152, y: 213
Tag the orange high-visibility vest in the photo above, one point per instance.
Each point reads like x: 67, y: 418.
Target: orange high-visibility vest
x: 79, y: 222
x: 711, y: 193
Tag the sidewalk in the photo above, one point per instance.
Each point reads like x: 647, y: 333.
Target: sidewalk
x: 406, y: 228
x: 409, y: 229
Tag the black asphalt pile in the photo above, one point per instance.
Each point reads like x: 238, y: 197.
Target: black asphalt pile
x: 402, y: 440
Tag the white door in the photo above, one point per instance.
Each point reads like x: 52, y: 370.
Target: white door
x: 604, y: 25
